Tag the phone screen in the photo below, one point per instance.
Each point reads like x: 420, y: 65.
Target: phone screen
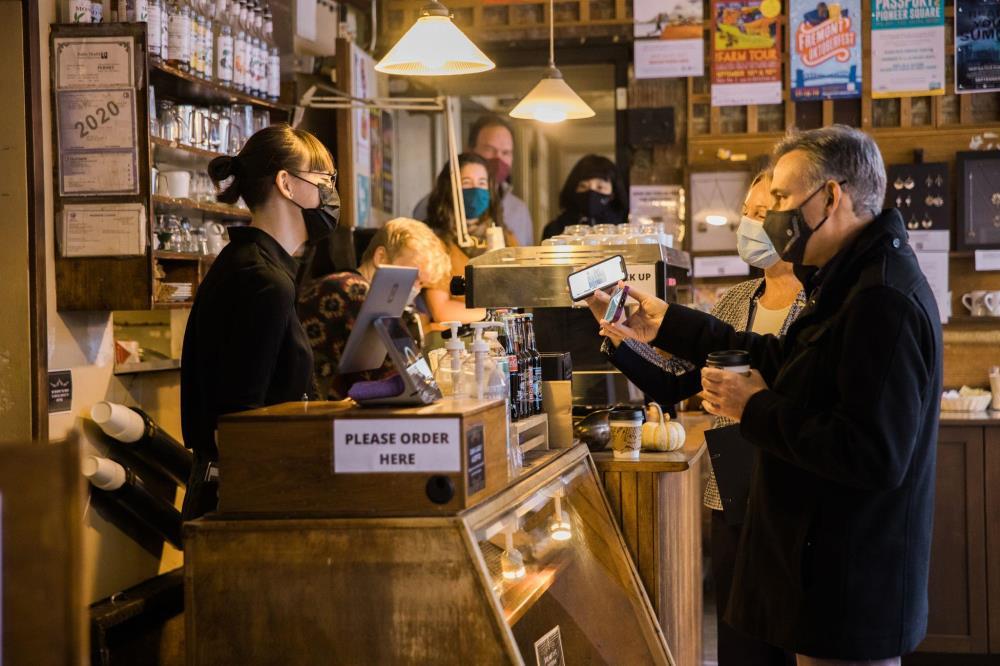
x: 596, y: 276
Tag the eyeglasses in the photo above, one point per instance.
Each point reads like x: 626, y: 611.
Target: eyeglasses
x: 328, y: 175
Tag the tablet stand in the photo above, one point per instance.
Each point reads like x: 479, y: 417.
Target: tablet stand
x: 417, y: 390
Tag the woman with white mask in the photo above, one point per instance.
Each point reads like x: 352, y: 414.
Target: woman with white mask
x: 762, y: 305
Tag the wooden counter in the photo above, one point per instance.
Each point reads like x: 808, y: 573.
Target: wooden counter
x: 657, y: 501
x: 987, y: 418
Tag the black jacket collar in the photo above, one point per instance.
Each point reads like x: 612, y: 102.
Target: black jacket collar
x: 887, y: 229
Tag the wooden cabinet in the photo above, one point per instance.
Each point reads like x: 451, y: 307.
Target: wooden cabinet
x: 956, y: 590
x: 964, y: 587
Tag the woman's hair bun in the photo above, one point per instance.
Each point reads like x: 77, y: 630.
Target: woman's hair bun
x: 221, y: 168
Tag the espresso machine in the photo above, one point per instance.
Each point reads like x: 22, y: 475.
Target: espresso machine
x: 534, y: 278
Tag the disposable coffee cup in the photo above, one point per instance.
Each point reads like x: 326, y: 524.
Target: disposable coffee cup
x: 733, y: 360
x: 626, y: 433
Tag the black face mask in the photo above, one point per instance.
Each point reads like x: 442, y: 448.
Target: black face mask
x: 592, y: 204
x: 323, y: 220
x: 789, y: 232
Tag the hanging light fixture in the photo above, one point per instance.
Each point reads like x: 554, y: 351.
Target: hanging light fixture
x: 552, y: 100
x: 434, y: 46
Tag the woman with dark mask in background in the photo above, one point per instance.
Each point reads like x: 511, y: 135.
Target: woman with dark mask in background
x: 244, y: 346
x: 593, y: 194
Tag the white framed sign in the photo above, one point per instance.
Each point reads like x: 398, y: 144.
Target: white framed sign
x: 97, y: 119
x: 397, y: 445
x: 94, y: 62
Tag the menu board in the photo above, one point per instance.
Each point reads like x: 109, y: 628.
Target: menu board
x: 746, y: 52
x: 977, y: 45
x: 668, y: 39
x: 96, y: 116
x: 907, y: 48
x: 825, y: 49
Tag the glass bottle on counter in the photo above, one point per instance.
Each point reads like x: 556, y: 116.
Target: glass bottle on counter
x: 506, y: 338
x: 154, y: 14
x: 536, y: 365
x: 524, y: 367
x: 179, y: 36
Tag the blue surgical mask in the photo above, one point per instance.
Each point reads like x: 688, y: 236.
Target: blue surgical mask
x: 754, y: 245
x: 477, y: 200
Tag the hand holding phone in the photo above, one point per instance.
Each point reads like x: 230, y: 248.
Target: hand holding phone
x: 616, y: 306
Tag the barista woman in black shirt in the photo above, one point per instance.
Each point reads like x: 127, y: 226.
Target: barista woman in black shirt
x: 244, y: 346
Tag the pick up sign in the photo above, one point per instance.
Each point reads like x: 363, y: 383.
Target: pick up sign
x: 396, y: 445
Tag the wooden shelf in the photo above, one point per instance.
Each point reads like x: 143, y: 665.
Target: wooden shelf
x: 172, y: 306
x: 173, y: 83
x: 207, y: 209
x: 177, y: 256
x: 161, y: 365
x: 969, y: 320
x: 179, y: 155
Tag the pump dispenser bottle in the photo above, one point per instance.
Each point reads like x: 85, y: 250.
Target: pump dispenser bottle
x: 449, y: 375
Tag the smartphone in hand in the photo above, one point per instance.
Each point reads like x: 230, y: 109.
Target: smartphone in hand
x: 616, y: 306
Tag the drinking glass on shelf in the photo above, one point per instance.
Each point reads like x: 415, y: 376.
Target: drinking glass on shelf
x: 199, y: 241
x: 261, y: 119
x: 186, y: 240
x: 170, y: 121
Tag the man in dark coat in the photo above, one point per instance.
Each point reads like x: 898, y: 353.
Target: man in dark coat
x: 843, y: 411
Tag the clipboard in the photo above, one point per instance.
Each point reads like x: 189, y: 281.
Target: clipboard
x: 732, y: 459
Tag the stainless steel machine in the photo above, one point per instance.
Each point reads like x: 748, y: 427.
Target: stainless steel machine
x: 535, y: 278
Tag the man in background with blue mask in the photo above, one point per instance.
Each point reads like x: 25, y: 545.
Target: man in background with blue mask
x: 843, y: 411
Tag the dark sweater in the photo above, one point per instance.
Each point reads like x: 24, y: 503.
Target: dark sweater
x: 244, y: 346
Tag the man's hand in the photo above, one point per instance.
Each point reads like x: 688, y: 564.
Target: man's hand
x: 726, y: 393
x: 644, y: 323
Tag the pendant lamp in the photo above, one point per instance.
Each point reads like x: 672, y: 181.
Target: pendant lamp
x: 552, y: 100
x: 434, y: 46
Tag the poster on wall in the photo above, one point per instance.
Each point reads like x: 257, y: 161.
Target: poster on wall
x: 907, y: 48
x: 825, y: 49
x: 668, y: 38
x: 746, y: 52
x: 977, y: 45
x: 362, y: 86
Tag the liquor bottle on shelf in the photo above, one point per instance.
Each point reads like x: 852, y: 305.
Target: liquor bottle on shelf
x: 121, y: 485
x: 197, y: 43
x: 274, y: 74
x: 145, y: 439
x: 154, y: 16
x: 138, y: 11
x: 78, y: 11
x: 536, y: 365
x: 224, y: 56
x: 179, y: 40
x: 239, y: 45
x: 164, y: 30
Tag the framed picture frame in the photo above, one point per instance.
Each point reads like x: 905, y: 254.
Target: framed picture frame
x: 978, y: 218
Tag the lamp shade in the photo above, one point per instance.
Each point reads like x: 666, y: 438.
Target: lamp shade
x: 434, y: 46
x: 552, y: 101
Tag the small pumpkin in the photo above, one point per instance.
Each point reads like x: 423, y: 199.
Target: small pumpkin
x: 659, y: 433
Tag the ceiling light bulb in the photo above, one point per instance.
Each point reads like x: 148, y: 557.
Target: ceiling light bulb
x: 716, y: 220
x: 550, y: 114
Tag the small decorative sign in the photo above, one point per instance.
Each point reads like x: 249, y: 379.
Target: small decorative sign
x: 549, y: 649
x: 60, y: 391
x: 476, y: 459
x: 396, y: 445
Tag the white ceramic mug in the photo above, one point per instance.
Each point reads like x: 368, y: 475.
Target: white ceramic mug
x: 995, y: 307
x: 178, y: 184
x: 980, y: 303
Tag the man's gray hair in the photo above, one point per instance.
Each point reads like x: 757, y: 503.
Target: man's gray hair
x: 846, y: 155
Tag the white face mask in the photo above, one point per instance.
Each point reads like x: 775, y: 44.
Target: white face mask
x: 754, y: 245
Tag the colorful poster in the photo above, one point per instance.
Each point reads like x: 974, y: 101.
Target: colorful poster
x: 746, y: 52
x: 907, y: 48
x: 668, y: 38
x: 977, y: 45
x: 825, y: 49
